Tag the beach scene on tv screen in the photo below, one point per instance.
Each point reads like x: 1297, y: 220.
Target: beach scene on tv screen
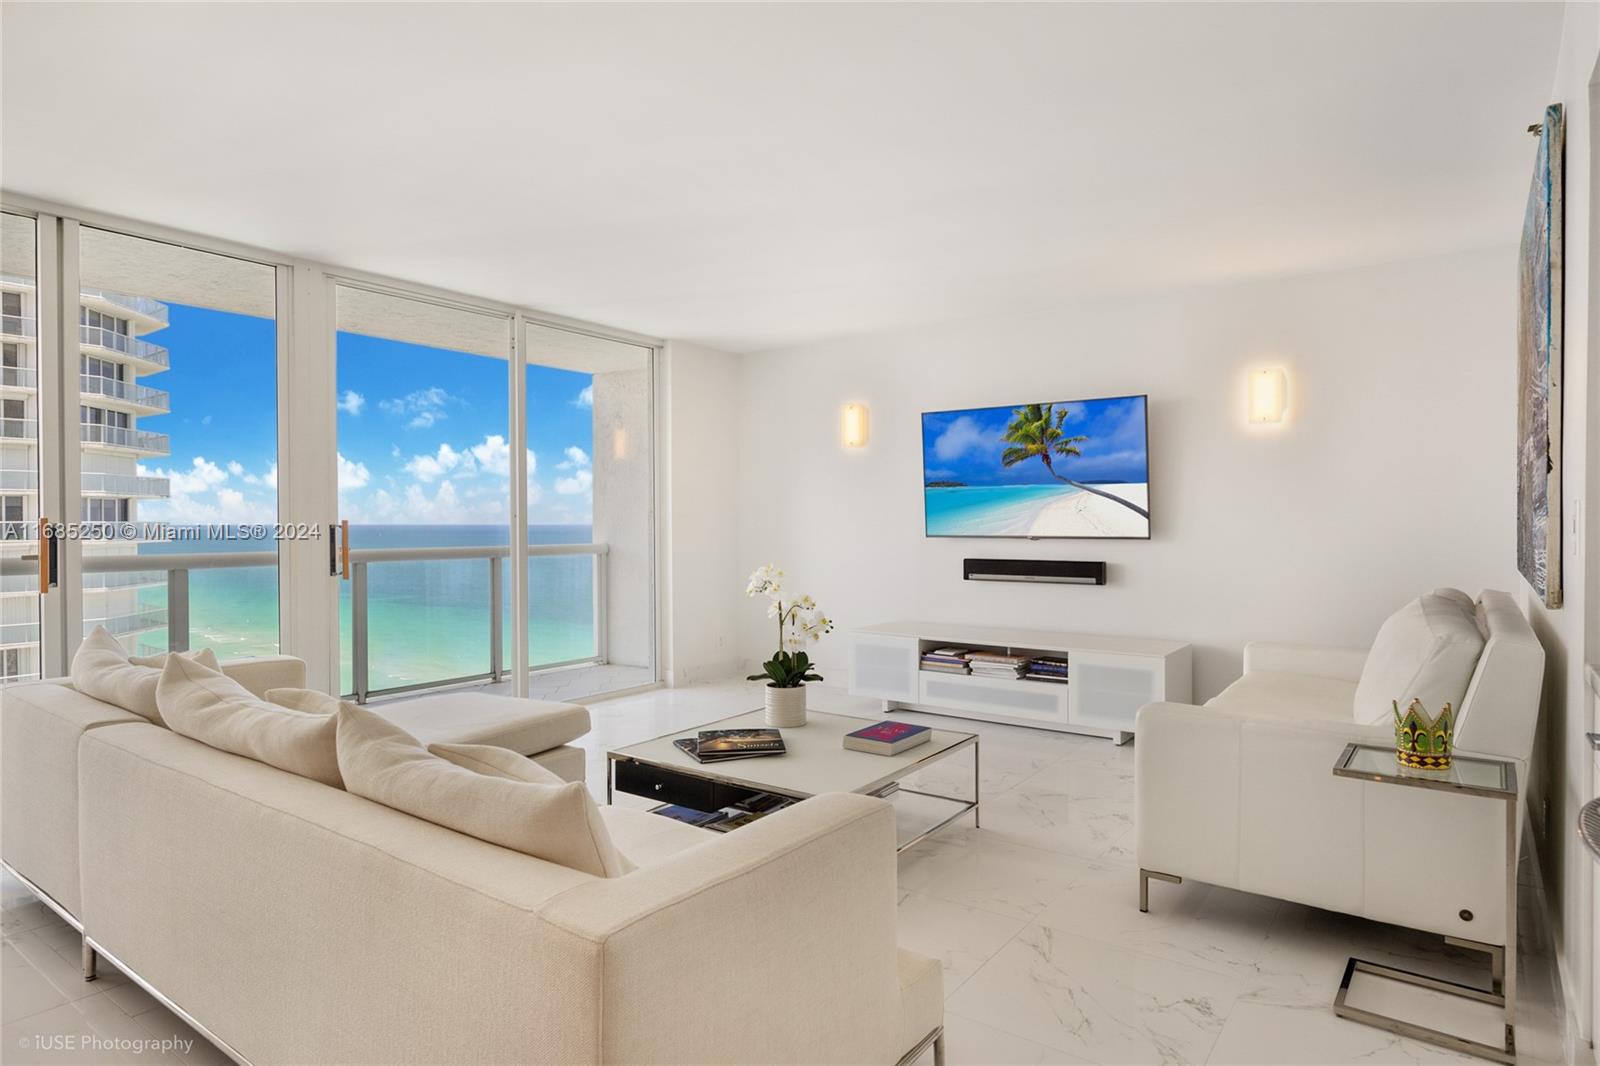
x: 1076, y: 469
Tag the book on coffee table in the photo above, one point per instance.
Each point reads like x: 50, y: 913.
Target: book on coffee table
x: 723, y: 745
x: 887, y: 738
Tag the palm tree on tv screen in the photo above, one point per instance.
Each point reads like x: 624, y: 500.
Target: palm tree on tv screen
x: 1035, y: 430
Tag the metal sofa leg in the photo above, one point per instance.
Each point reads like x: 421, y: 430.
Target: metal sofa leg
x: 89, y: 960
x: 938, y: 1049
x: 1144, y: 886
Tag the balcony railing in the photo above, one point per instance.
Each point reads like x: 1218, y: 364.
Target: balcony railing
x: 122, y: 343
x: 137, y: 440
x: 19, y: 377
x: 143, y: 306
x: 20, y: 428
x: 19, y: 326
x: 13, y: 633
x: 175, y: 570
x: 19, y: 480
x: 123, y: 485
x: 128, y: 391
x: 120, y: 625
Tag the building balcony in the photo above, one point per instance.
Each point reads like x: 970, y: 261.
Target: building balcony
x: 151, y: 313
x: 15, y: 633
x: 143, y: 399
x: 18, y: 328
x: 138, y: 579
x: 97, y: 484
x: 130, y: 440
x: 121, y: 625
x: 19, y: 481
x: 19, y: 377
x: 19, y: 428
x: 150, y: 358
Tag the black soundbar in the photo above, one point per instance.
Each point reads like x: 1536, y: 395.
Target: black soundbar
x: 1050, y: 571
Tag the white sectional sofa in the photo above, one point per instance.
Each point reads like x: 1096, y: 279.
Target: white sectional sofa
x: 1240, y: 792
x: 295, y: 922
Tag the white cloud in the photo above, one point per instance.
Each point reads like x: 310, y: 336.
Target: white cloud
x: 576, y: 458
x: 429, y: 468
x: 425, y: 406
x: 585, y: 397
x: 493, y: 454
x: 352, y: 475
x: 201, y: 476
x: 271, y: 476
x: 580, y: 482
x: 236, y: 468
x: 960, y: 437
x: 352, y: 402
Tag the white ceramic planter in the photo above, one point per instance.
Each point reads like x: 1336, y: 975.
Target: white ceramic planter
x: 786, y: 707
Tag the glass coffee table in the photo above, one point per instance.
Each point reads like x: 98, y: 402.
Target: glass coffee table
x: 816, y: 762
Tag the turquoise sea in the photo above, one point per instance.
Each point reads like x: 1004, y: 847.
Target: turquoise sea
x: 975, y: 510
x: 427, y: 621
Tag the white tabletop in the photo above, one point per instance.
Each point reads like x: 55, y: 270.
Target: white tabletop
x: 816, y: 760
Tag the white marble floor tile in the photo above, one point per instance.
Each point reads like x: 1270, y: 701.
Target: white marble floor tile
x: 1097, y: 1002
x: 972, y: 1043
x: 1054, y: 821
x: 1269, y: 1035
x: 961, y: 938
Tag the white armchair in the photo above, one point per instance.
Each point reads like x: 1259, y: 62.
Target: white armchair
x: 1240, y: 792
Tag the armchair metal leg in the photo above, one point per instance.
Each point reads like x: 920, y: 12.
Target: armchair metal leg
x: 938, y: 1049
x: 1144, y: 886
x: 89, y: 960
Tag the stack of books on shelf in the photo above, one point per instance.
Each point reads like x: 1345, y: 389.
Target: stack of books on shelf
x: 996, y: 664
x: 945, y: 660
x: 1047, y: 668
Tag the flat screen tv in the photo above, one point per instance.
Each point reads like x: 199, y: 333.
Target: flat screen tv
x: 1074, y: 469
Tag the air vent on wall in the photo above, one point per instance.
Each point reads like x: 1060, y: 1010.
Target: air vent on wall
x: 1046, y: 571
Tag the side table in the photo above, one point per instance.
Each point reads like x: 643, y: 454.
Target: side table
x: 1467, y: 776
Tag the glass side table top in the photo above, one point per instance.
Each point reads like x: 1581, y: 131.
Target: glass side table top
x: 1470, y: 774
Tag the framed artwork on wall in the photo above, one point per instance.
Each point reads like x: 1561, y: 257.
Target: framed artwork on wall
x: 1539, y: 366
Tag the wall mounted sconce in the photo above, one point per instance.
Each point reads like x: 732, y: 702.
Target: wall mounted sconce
x: 853, y: 429
x: 1269, y: 395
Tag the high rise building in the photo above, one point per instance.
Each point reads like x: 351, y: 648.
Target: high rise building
x: 113, y: 357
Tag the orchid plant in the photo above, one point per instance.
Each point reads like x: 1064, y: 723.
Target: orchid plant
x: 800, y: 622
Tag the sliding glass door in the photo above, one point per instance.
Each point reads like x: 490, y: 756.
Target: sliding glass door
x: 423, y: 465
x: 21, y: 631
x: 591, y: 533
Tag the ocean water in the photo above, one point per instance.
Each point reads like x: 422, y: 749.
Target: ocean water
x: 976, y: 510
x: 426, y: 621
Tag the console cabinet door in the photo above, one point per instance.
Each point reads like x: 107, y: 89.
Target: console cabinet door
x: 1107, y: 690
x: 884, y: 668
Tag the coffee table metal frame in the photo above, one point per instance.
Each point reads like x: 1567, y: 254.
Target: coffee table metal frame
x: 1502, y: 990
x: 885, y: 786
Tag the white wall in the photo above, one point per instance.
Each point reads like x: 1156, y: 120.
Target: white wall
x: 1393, y: 475
x: 700, y: 455
x: 1564, y: 779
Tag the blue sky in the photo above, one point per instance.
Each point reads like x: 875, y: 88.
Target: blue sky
x: 965, y: 446
x: 422, y: 431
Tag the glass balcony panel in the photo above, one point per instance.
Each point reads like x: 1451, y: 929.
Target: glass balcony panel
x: 144, y: 396
x: 19, y: 428
x: 19, y: 377
x: 561, y: 605
x: 133, y: 439
x: 142, y: 306
x: 123, y: 344
x: 19, y: 327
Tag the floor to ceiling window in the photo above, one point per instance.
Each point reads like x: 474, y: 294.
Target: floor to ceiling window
x: 178, y: 427
x: 424, y: 481
x: 19, y: 450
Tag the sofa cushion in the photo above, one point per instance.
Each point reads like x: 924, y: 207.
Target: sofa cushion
x: 649, y: 839
x: 1427, y: 650
x: 102, y: 669
x: 208, y: 706
x: 306, y: 700
x: 527, y: 727
x: 557, y: 823
x: 1288, y: 697
x: 159, y: 661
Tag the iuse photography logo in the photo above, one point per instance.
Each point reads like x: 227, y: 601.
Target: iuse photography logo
x: 93, y: 1042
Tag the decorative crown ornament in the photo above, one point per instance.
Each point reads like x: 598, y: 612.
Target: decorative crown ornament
x: 1420, y: 742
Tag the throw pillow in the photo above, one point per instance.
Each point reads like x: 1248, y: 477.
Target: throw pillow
x: 557, y: 823
x: 491, y: 761
x: 308, y: 700
x: 102, y: 669
x: 208, y: 706
x: 1426, y: 650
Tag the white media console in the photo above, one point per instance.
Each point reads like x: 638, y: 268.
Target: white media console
x: 1109, y: 678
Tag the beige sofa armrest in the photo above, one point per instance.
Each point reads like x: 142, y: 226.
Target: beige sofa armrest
x: 788, y: 925
x: 262, y: 672
x: 1340, y: 664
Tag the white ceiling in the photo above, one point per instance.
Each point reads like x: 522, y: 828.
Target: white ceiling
x: 758, y: 176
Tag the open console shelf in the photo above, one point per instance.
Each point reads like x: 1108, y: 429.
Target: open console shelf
x: 1109, y: 678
